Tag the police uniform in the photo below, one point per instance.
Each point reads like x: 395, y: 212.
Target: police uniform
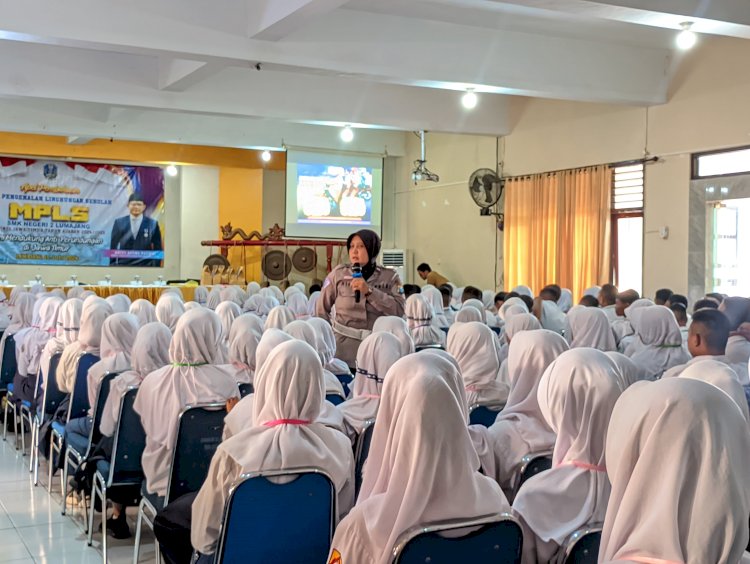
x: 351, y: 321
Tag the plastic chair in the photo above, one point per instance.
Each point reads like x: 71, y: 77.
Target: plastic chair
x: 245, y: 389
x: 496, y: 330
x: 73, y: 456
x: 335, y: 399
x: 531, y: 465
x: 482, y: 415
x: 123, y: 473
x: 582, y: 546
x: 199, y: 430
x: 361, y: 450
x: 8, y: 369
x: 345, y: 380
x: 498, y: 541
x: 77, y: 407
x: 272, y: 532
x: 51, y: 400
x: 428, y: 347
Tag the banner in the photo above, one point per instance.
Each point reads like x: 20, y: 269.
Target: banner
x: 80, y: 214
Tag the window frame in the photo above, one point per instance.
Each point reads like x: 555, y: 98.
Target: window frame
x: 625, y: 213
x: 694, y: 163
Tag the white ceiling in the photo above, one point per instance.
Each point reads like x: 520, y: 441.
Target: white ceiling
x: 184, y: 70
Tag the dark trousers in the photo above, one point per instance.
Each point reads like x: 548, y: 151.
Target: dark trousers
x: 172, y: 529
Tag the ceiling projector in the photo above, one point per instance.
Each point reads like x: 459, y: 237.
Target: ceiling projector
x: 422, y: 173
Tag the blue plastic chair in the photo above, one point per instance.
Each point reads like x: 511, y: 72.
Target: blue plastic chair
x: 199, y: 430
x: 531, y: 465
x: 496, y: 330
x: 8, y: 369
x: 245, y: 389
x: 257, y: 515
x: 428, y: 347
x: 482, y: 415
x: 345, y: 380
x: 582, y: 546
x: 335, y: 399
x: 498, y: 541
x: 51, y: 399
x: 361, y: 450
x: 78, y: 406
x: 123, y: 474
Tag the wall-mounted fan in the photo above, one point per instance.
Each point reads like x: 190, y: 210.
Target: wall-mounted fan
x: 485, y: 187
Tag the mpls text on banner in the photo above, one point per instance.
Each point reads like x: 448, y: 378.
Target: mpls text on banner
x: 82, y: 214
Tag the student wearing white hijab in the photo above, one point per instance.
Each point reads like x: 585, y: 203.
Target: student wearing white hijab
x: 523, y: 291
x: 660, y: 342
x: 589, y: 327
x: 419, y: 314
x: 327, y: 346
x: 435, y: 299
x: 4, y: 312
x: 66, y: 332
x: 468, y: 315
x: 576, y: 396
x: 487, y: 317
x: 227, y: 312
x: 95, y: 310
x: 515, y: 324
x: 397, y: 327
x: 629, y: 372
x: 312, y: 303
x: 625, y: 328
x: 214, y: 298
x: 244, y: 336
x: 276, y: 292
x: 421, y: 467
x: 144, y: 310
x: 119, y: 303
x: 686, y: 433
x: 29, y: 349
x: 565, y: 303
x: 723, y: 377
x: 253, y: 288
x: 169, y: 308
x: 279, y: 317
x: 303, y: 331
x: 285, y: 435
x: 375, y: 356
x: 200, y: 295
x: 192, y: 377
x: 297, y: 303
x: 232, y: 294
x: 473, y: 345
x: 550, y: 315
x: 22, y: 315
x: 505, y: 311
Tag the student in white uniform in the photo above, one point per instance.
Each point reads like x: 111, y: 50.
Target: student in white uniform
x: 421, y: 467
x: 284, y: 435
x: 247, y: 329
x: 688, y: 434
x: 328, y: 346
x: 144, y: 310
x: 397, y: 327
x: 303, y: 331
x: 589, y: 327
x: 29, y: 349
x: 660, y: 343
x: 419, y: 317
x: 737, y: 311
x: 120, y: 303
x: 169, y: 308
x: 192, y: 377
x: 576, y: 396
x: 279, y: 317
x: 68, y: 326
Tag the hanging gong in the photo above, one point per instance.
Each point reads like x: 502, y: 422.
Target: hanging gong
x: 304, y: 259
x: 276, y: 265
x: 216, y: 260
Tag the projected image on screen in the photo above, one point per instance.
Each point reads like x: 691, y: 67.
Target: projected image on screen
x: 338, y: 194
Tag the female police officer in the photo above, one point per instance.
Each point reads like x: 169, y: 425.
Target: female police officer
x: 378, y: 290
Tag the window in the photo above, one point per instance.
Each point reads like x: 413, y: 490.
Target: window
x: 627, y: 227
x: 721, y: 163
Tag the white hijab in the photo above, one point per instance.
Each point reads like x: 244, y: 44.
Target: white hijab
x: 576, y: 396
x: 468, y: 315
x: 297, y: 302
x: 312, y: 302
x: 150, y: 349
x: 661, y: 342
x: 505, y: 312
x: 566, y: 300
x: 119, y: 303
x: 723, y: 377
x: 118, y: 336
x: 377, y: 353
x: 169, y: 309
x: 421, y: 467
x: 253, y: 288
x: 36, y: 339
x: 629, y: 372
x: 95, y: 310
x: 419, y: 314
x: 435, y: 299
x: 279, y: 317
x: 473, y: 345
x: 523, y: 291
x: 246, y: 331
x: 214, y: 298
x: 67, y: 328
x: 553, y: 318
x: 200, y: 295
x: 688, y: 434
x: 227, y: 312
x: 327, y: 346
x: 22, y: 314
x: 398, y: 328
x: 589, y: 327
x: 192, y: 377
x: 232, y: 294
x: 144, y: 310
x: 303, y: 331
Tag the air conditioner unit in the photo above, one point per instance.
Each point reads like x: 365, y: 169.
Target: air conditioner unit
x: 398, y: 260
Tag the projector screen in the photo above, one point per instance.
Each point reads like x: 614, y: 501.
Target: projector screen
x: 330, y: 195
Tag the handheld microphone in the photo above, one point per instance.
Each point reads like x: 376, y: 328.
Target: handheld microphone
x: 357, y: 273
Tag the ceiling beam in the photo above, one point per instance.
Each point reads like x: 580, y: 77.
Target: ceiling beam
x: 272, y: 20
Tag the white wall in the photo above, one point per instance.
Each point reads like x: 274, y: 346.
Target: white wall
x: 199, y: 217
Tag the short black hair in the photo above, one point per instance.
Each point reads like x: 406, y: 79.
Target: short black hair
x: 680, y: 311
x: 136, y: 197
x: 555, y: 289
x: 713, y: 326
x: 446, y: 290
x: 510, y: 295
x: 528, y: 300
x: 705, y: 303
x: 424, y: 267
x: 410, y: 289
x: 548, y: 291
x: 314, y: 288
x: 609, y: 293
x: 499, y: 297
x: 678, y: 299
x: 589, y: 301
x: 471, y: 292
x: 716, y: 296
x: 663, y: 295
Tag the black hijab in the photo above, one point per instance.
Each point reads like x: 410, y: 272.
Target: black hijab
x: 372, y: 244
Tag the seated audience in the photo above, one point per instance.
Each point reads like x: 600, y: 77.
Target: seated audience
x: 662, y: 296
x: 29, y: 349
x: 328, y: 346
x: 737, y: 311
x: 589, y: 301
x: 398, y: 328
x: 565, y: 302
x: 227, y: 311
x: 608, y: 301
x: 660, y: 342
x: 279, y: 317
x: 589, y: 327
x: 68, y: 326
x: 548, y: 313
x: 419, y: 315
x: 244, y: 335
x: 303, y: 331
x: 169, y: 308
x: 435, y: 299
x: 449, y: 313
x: 705, y: 303
x: 471, y: 293
x: 620, y: 325
x: 144, y: 310
x: 723, y: 377
x: 629, y: 373
x: 411, y: 289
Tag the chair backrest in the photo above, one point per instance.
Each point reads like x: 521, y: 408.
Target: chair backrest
x: 292, y: 521
x: 52, y: 397
x: 582, y: 546
x: 199, y: 432
x: 79, y: 399
x: 335, y: 399
x: 361, y: 450
x: 531, y: 465
x: 482, y: 415
x: 498, y: 540
x: 496, y: 330
x: 419, y: 348
x: 129, y: 442
x: 245, y: 389
x: 8, y: 367
x: 345, y: 380
x: 101, y: 398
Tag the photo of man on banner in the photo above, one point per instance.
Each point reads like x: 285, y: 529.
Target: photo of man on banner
x: 136, y: 232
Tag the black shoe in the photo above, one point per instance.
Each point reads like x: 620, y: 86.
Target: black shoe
x: 118, y: 528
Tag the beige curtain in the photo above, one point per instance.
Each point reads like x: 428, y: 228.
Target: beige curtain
x: 557, y: 228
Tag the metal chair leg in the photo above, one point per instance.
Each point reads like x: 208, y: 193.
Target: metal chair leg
x: 138, y: 525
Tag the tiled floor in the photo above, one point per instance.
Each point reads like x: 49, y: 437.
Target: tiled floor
x: 32, y: 528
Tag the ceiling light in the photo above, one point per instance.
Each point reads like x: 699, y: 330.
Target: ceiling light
x: 469, y: 100
x: 686, y: 38
x: 266, y: 156
x: 347, y: 134
x: 172, y: 170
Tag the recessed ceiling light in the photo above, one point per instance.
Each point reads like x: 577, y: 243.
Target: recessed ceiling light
x: 172, y: 170
x: 686, y: 38
x: 470, y: 99
x: 347, y: 134
x: 266, y: 156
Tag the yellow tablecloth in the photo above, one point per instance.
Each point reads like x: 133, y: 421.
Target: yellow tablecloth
x: 150, y: 293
